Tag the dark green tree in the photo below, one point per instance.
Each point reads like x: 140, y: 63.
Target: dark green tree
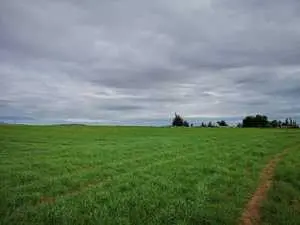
x: 295, y: 124
x: 291, y: 122
x: 256, y: 121
x: 286, y: 122
x: 274, y: 123
x: 178, y: 121
x: 185, y: 123
x: 222, y: 123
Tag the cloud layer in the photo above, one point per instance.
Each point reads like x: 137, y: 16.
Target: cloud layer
x: 115, y: 60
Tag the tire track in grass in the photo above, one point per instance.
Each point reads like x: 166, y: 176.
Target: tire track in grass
x: 251, y: 213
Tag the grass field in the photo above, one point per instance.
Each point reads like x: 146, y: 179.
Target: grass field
x: 282, y: 206
x: 138, y: 175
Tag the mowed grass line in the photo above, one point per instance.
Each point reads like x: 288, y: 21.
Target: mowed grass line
x: 99, y: 184
x: 92, y: 170
x: 91, y: 175
x: 83, y: 160
x: 282, y: 206
x: 204, y: 177
x: 160, y: 182
x: 88, y: 168
x: 94, y: 162
x: 123, y: 177
x: 68, y: 183
x: 73, y: 185
x: 96, y: 183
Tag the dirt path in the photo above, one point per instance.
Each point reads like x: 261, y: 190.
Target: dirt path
x: 251, y: 214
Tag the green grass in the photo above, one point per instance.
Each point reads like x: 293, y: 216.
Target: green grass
x: 282, y: 207
x: 131, y: 175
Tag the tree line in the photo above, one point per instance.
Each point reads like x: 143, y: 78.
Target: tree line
x: 249, y: 121
x: 262, y: 121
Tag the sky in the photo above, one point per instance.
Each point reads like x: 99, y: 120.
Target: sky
x: 138, y: 61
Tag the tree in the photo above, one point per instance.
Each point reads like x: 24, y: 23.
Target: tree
x: 291, y: 122
x: 256, y: 121
x: 222, y: 123
x: 185, y: 123
x: 295, y: 124
x: 248, y: 121
x: 274, y: 123
x: 286, y: 122
x: 210, y: 124
x: 203, y: 125
x: 178, y: 121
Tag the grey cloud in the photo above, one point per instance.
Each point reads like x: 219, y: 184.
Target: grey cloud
x: 4, y: 103
x: 122, y: 107
x: 145, y: 60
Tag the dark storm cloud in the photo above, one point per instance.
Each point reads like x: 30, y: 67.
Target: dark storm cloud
x: 144, y: 60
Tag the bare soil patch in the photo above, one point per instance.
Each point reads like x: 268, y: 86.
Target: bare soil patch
x: 251, y: 213
x: 47, y: 200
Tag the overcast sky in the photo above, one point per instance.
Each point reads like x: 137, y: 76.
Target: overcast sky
x: 139, y: 60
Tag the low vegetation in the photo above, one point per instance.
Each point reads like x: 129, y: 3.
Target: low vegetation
x: 129, y: 175
x: 283, y: 203
x: 257, y: 121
